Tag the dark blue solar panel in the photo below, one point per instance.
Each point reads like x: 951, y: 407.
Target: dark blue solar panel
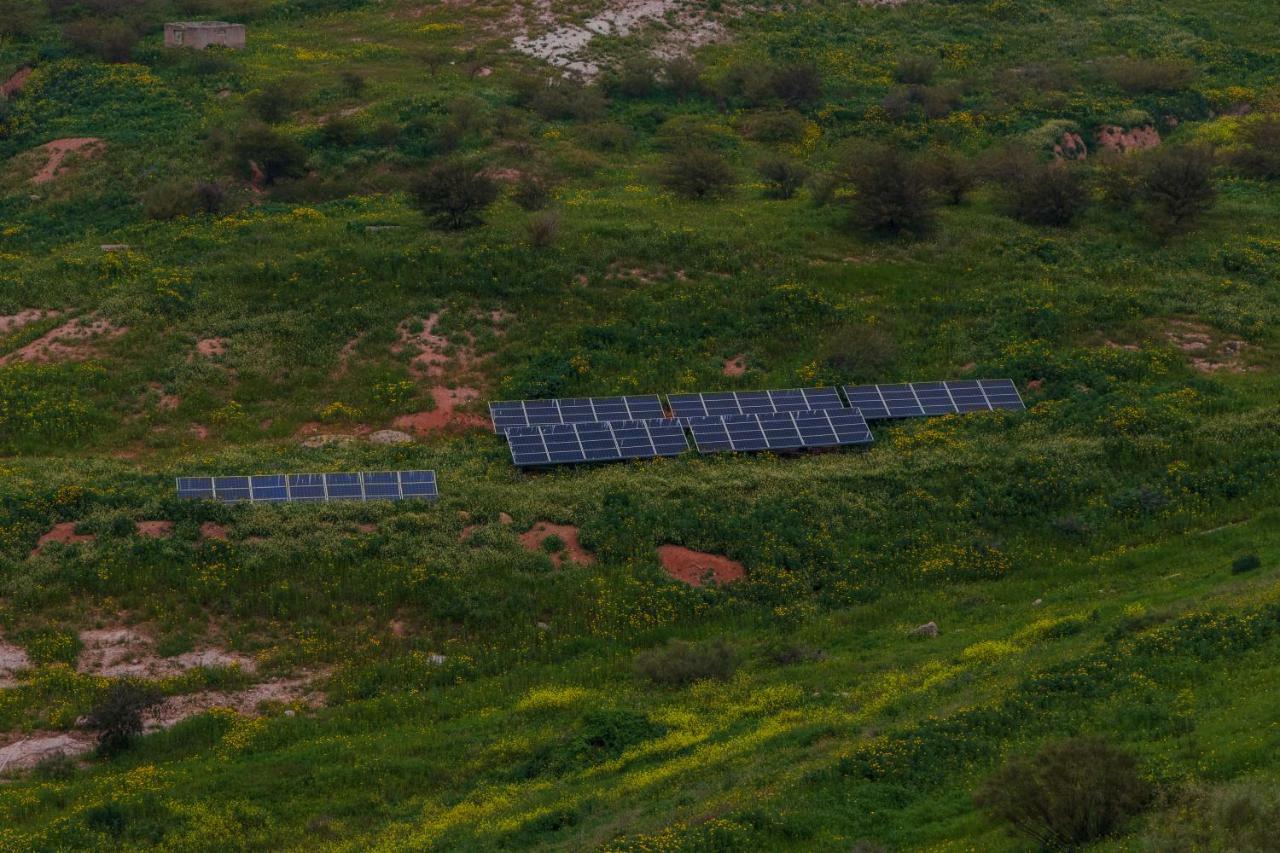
x: 754, y: 402
x: 418, y: 484
x: 344, y: 487
x: 381, y: 486
x: 779, y: 432
x: 268, y: 489
x: 604, y: 441
x: 280, y: 488
x: 307, y: 487
x: 195, y: 488
x: 880, y: 402
x: 512, y: 414
x: 231, y: 489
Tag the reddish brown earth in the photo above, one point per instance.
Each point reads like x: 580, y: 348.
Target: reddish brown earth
x: 64, y: 533
x: 694, y: 567
x: 1070, y: 147
x: 367, y: 528
x: 13, y: 322
x: 431, y: 349
x: 468, y: 531
x: 58, y: 151
x: 200, y: 431
x: 735, y: 366
x: 344, y: 357
x: 211, y: 347
x: 212, y: 530
x: 155, y: 529
x: 14, y: 84
x: 1120, y: 140
x: 68, y: 342
x: 444, y: 415
x: 533, y: 538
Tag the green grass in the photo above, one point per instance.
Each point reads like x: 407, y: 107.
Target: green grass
x: 1077, y: 557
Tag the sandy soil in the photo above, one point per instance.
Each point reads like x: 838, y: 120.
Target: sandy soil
x: 63, y: 533
x: 1208, y: 353
x: 69, y: 342
x: 10, y: 323
x: 125, y: 652
x: 444, y: 415
x: 533, y: 538
x: 155, y: 529
x: 211, y: 347
x: 212, y: 530
x: 14, y: 84
x: 735, y: 366
x: 695, y: 567
x: 59, y: 150
x: 12, y: 659
x: 1118, y: 139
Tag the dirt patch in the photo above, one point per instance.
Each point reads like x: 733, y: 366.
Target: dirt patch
x: 212, y: 530
x: 10, y: 323
x: 1070, y: 146
x: 155, y: 529
x: 1119, y: 140
x: 126, y: 653
x: 14, y: 84
x: 445, y: 415
x: 211, y: 347
x: 432, y: 350
x: 30, y: 750
x: 57, y: 152
x: 1209, y: 353
x: 735, y: 366
x: 249, y: 702
x: 13, y: 659
x: 367, y: 528
x: 696, y: 568
x: 344, y: 357
x: 533, y: 538
x: 165, y: 402
x: 62, y: 533
x: 72, y: 341
x: 200, y: 431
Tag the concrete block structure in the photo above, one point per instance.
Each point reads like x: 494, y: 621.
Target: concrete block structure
x: 198, y: 35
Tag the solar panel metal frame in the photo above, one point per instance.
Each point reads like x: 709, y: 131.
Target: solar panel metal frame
x: 312, y: 488
x: 598, y: 441
x: 923, y: 399
x: 782, y: 431
x: 773, y: 401
x: 512, y: 414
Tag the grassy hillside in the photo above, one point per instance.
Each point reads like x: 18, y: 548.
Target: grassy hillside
x: 431, y: 681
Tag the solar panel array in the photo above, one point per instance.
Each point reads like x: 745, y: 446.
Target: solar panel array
x: 920, y: 399
x: 603, y: 429
x: 304, y: 488
x: 607, y: 441
x: 529, y: 413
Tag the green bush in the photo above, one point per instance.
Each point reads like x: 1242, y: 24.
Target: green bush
x: 453, y: 194
x: 1069, y: 793
x: 783, y: 175
x: 679, y: 663
x: 1177, y: 187
x: 275, y: 155
x: 916, y: 70
x: 1138, y: 76
x: 109, y: 39
x: 273, y: 102
x: 697, y: 174
x: 1238, y: 816
x: 892, y: 195
x: 1245, y: 563
x: 1259, y: 155
x: 1052, y: 193
x: 118, y: 716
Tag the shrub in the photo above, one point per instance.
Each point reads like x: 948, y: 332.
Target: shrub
x: 916, y: 70
x: 172, y: 199
x: 783, y: 175
x: 683, y: 77
x: 748, y: 81
x: 275, y: 155
x: 453, y: 194
x: 20, y: 18
x: 353, y: 83
x: 951, y: 176
x: 273, y: 102
x: 774, y: 126
x: 798, y: 84
x: 543, y: 229
x: 340, y: 132
x: 859, y: 352
x: 1071, y: 792
x: 110, y: 39
x: 119, y: 714
x: 1177, y: 187
x: 679, y: 663
x: 559, y: 98
x: 1259, y: 156
x: 607, y: 136
x: 892, y: 193
x: 636, y: 78
x: 531, y: 192
x: 1245, y: 563
x: 1238, y: 816
x: 696, y: 173
x: 1051, y: 193
x: 1137, y: 76
x: 691, y: 132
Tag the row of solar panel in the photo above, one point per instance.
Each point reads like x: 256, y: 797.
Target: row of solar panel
x: 559, y: 444
x: 297, y: 488
x: 876, y: 402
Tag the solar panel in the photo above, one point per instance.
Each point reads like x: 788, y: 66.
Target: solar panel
x: 302, y: 488
x: 754, y: 402
x: 780, y: 431
x: 510, y: 414
x: 606, y: 441
x: 918, y: 399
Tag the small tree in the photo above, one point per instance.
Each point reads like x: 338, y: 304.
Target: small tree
x: 1071, y: 792
x: 274, y: 154
x: 453, y: 194
x: 892, y: 192
x: 1177, y: 187
x: 683, y: 77
x: 679, y: 663
x: 783, y: 175
x: 951, y: 176
x: 696, y: 173
x: 798, y: 84
x: 118, y: 716
x: 273, y: 102
x: 1051, y: 193
x: 1259, y: 157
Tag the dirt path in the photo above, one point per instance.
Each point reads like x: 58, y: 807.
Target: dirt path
x: 58, y: 151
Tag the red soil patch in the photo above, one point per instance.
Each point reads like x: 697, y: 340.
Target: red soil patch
x: 367, y: 528
x: 432, y: 348
x: 65, y: 343
x: 1121, y: 141
x: 155, y: 529
x: 211, y: 347
x: 13, y: 322
x: 1070, y: 147
x: 58, y: 151
x: 63, y: 533
x: 200, y: 431
x: 735, y: 366
x: 444, y: 415
x: 694, y: 567
x: 467, y: 532
x: 213, y: 530
x: 14, y: 84
x: 533, y: 538
x: 344, y: 357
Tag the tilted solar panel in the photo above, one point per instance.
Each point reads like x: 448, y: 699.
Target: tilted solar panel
x: 780, y: 431
x: 754, y: 402
x: 511, y: 414
x: 302, y: 488
x: 605, y: 441
x: 918, y: 399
